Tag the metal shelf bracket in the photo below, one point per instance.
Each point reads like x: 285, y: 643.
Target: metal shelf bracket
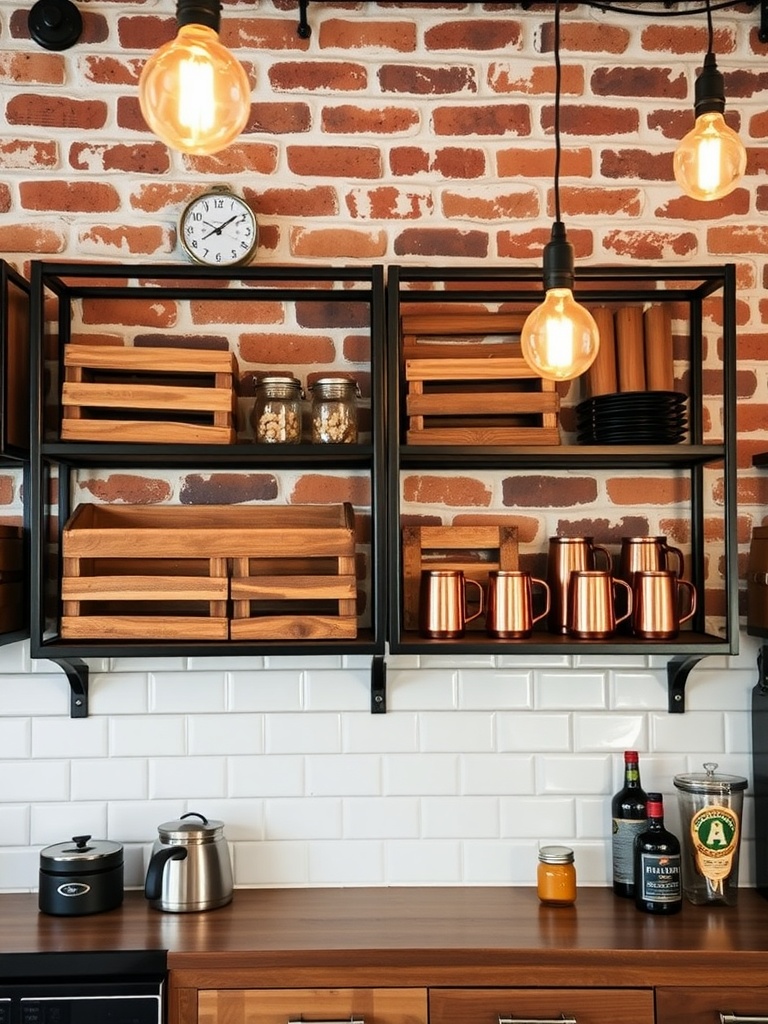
x: 678, y: 670
x: 76, y: 672
x: 378, y: 685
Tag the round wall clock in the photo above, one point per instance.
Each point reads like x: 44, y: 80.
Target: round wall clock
x: 218, y: 229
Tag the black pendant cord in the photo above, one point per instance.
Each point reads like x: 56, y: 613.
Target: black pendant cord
x: 710, y: 31
x: 558, y: 84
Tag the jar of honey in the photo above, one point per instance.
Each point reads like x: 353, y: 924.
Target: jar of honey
x: 556, y: 876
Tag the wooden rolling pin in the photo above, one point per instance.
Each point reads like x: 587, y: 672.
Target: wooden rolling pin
x: 659, y: 361
x: 630, y: 348
x: 601, y: 376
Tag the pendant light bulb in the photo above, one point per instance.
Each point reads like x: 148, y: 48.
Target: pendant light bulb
x: 193, y: 93
x: 560, y: 339
x: 711, y: 158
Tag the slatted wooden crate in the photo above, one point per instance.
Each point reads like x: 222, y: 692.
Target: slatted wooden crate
x: 476, y: 550
x: 158, y: 395
x: 296, y: 579
x: 466, y: 391
x: 128, y: 574
x: 281, y: 573
x: 12, y: 591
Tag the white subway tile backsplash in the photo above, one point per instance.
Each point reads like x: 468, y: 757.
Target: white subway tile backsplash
x: 454, y: 817
x: 118, y: 693
x: 237, y: 734
x: 69, y: 737
x: 15, y: 824
x: 33, y: 782
x: 352, y: 775
x: 137, y: 821
x: 16, y: 737
x: 35, y: 694
x: 303, y: 818
x: 14, y: 658
x: 638, y: 691
x: 690, y: 732
x: 303, y: 734
x: 496, y: 774
x: 426, y: 862
x: 579, y: 690
x: 109, y: 779
x: 190, y: 778
x: 606, y: 732
x: 266, y: 776
x: 420, y: 774
x: 271, y: 864
x: 445, y: 731
x: 394, y: 817
x: 19, y: 869
x: 243, y: 819
x: 338, y: 689
x: 396, y: 732
x: 419, y: 689
x: 577, y: 775
x: 265, y: 690
x: 727, y: 689
x: 145, y: 735
x: 499, y: 862
x: 491, y: 690
x: 540, y: 817
x: 346, y: 863
x: 187, y: 692
x: 58, y: 823
x: 593, y: 816
x: 534, y: 732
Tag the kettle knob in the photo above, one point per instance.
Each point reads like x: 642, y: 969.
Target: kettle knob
x: 153, y: 884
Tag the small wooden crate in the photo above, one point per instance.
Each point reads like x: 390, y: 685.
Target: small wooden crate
x: 158, y: 395
x: 128, y: 574
x: 296, y: 578
x: 462, y: 391
x: 476, y: 550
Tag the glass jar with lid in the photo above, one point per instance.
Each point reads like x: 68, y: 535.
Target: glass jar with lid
x: 556, y: 876
x: 276, y: 414
x: 334, y: 410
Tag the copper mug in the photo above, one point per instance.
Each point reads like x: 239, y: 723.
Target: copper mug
x: 443, y: 603
x: 567, y: 555
x: 648, y: 553
x: 592, y: 604
x: 656, y: 604
x: 510, y: 604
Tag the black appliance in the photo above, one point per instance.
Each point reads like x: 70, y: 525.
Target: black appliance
x: 120, y: 987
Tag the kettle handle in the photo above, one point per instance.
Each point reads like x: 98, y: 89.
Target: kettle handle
x: 195, y: 814
x: 153, y: 884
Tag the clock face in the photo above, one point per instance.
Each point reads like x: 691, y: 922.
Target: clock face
x: 219, y: 229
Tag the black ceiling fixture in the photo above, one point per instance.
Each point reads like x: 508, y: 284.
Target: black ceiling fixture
x: 55, y: 24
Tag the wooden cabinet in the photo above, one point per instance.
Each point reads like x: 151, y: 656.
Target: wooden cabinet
x: 289, y: 1006
x: 716, y: 1005
x: 509, y: 1005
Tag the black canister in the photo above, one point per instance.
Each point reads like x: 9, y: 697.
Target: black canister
x: 82, y: 876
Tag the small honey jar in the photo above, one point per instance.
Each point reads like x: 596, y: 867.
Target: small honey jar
x: 556, y: 876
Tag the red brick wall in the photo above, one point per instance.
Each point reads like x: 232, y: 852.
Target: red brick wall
x: 411, y: 133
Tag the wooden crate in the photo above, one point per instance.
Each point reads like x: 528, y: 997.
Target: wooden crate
x: 158, y: 395
x: 298, y: 582
x: 476, y: 550
x: 128, y: 574
x: 464, y: 391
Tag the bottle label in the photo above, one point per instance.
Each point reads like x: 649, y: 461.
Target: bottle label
x: 715, y: 835
x: 660, y: 877
x: 623, y: 847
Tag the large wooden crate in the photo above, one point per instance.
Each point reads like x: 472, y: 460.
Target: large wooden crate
x: 209, y: 572
x: 158, y: 395
x: 297, y: 579
x: 476, y: 549
x: 463, y: 390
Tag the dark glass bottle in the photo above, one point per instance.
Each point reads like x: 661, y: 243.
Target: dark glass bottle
x: 629, y: 820
x: 658, y: 879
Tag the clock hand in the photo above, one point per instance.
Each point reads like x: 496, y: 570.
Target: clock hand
x: 220, y: 228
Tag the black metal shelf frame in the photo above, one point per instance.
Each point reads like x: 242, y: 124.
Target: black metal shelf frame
x: 691, y: 285
x: 54, y: 461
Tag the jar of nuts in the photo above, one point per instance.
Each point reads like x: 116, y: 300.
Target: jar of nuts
x: 334, y: 410
x: 276, y: 414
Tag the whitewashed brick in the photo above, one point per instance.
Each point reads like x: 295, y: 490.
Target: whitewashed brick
x: 534, y: 732
x: 346, y: 863
x: 396, y: 732
x: 237, y: 734
x: 572, y: 690
x: 15, y: 824
x: 193, y: 778
x: 271, y: 864
x: 109, y: 779
x: 445, y: 731
x: 496, y: 774
x: 187, y: 692
x: 576, y: 775
x: 34, y: 781
x: 303, y: 734
x: 607, y: 732
x: 351, y: 775
x: 382, y: 818
x: 484, y: 689
x: 426, y: 862
x: 540, y: 817
x: 450, y: 817
x: 57, y: 823
x: 145, y: 735
x: 265, y: 690
x: 266, y: 776
x: 303, y: 818
x: 421, y: 774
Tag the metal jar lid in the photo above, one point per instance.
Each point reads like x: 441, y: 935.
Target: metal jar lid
x: 280, y: 385
x: 330, y: 388
x: 81, y: 855
x: 200, y: 831
x: 709, y: 782
x: 556, y: 855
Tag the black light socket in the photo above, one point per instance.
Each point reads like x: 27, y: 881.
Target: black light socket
x: 710, y: 88
x: 199, y: 12
x: 558, y: 259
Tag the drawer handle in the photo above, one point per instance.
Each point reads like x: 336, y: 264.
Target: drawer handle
x: 344, y: 1020
x: 562, y: 1019
x: 736, y: 1018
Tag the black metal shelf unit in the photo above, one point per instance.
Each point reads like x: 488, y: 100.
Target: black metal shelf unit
x: 510, y: 289
x: 59, y: 291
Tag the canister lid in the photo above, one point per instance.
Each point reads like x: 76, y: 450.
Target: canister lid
x: 200, y: 828
x: 556, y: 855
x: 710, y: 782
x: 326, y: 388
x: 81, y: 855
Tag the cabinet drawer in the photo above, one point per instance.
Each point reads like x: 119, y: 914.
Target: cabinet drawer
x: 585, y: 1006
x: 704, y: 1005
x: 279, y: 1006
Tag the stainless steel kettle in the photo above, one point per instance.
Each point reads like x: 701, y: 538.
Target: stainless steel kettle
x: 190, y: 867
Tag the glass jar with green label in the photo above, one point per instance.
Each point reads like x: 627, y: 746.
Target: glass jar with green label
x: 710, y: 815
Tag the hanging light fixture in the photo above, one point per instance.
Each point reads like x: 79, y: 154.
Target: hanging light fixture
x: 560, y: 338
x: 193, y: 93
x: 711, y: 158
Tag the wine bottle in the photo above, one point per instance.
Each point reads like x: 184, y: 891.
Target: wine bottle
x: 629, y: 820
x: 658, y: 880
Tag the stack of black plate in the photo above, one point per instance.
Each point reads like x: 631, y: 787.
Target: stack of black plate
x: 632, y: 417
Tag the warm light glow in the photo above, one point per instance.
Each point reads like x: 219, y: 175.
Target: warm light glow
x: 193, y: 94
x: 711, y: 158
x: 560, y: 338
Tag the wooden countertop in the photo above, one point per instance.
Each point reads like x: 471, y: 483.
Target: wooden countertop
x: 424, y: 936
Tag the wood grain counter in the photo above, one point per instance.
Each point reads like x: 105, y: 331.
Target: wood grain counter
x: 417, y: 936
